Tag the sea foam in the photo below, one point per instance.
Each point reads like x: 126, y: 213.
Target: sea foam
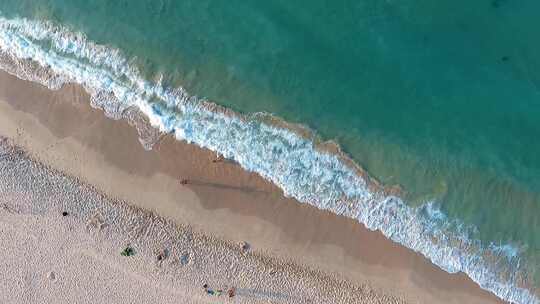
x: 300, y: 167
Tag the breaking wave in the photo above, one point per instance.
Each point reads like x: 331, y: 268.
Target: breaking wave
x: 309, y: 172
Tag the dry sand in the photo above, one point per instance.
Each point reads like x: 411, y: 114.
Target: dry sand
x: 221, y: 200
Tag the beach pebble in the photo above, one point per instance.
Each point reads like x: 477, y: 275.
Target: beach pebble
x: 244, y: 246
x: 51, y: 276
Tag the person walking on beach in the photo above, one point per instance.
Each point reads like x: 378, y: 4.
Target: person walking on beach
x: 219, y: 292
x: 218, y: 159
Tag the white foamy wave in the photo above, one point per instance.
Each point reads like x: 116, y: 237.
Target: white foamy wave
x: 293, y: 162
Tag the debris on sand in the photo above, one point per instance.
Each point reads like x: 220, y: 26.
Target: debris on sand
x: 231, y: 292
x: 96, y: 221
x: 128, y: 251
x: 211, y: 291
x: 51, y: 276
x: 161, y: 256
x: 245, y: 246
x: 185, y: 259
x: 7, y: 208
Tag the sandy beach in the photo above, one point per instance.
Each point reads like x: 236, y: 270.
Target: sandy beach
x: 297, y: 253
x: 69, y: 236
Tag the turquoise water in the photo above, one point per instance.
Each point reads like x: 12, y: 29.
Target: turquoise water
x: 441, y: 97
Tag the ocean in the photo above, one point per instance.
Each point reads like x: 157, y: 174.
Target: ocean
x: 437, y: 101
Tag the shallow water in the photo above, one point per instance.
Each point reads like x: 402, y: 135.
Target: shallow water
x: 440, y: 98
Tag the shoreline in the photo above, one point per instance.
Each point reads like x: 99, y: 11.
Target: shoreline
x: 223, y: 193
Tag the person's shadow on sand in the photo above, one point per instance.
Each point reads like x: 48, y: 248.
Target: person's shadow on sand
x: 269, y: 295
x: 223, y: 186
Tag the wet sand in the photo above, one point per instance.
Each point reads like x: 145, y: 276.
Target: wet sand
x: 60, y: 129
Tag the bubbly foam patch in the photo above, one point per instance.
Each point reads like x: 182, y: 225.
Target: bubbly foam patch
x: 293, y: 162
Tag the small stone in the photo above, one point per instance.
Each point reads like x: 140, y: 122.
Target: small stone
x: 244, y: 246
x: 51, y: 276
x: 65, y: 213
